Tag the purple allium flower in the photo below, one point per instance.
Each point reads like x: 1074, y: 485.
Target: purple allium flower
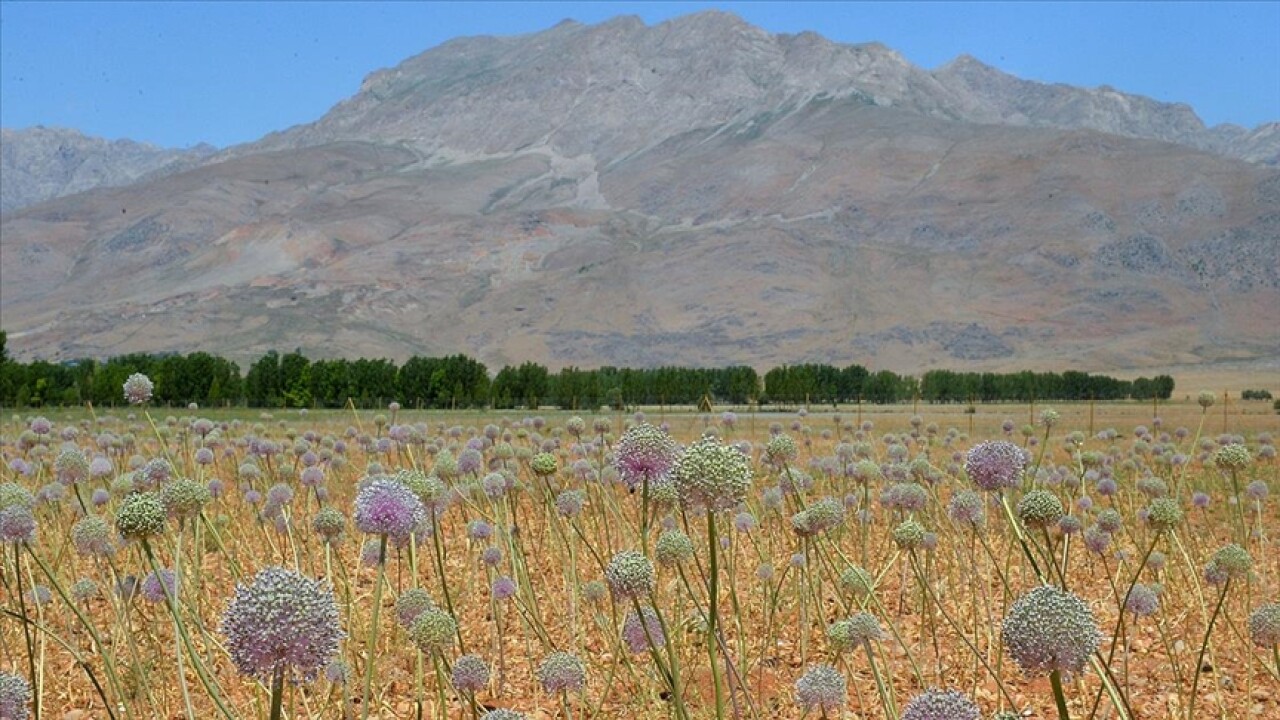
x: 215, y: 488
x: 995, y: 465
x: 1110, y: 520
x: 822, y: 687
x: 92, y: 536
x: 253, y: 497
x: 479, y: 530
x: 491, y: 556
x: 1069, y: 524
x: 935, y: 704
x: 39, y: 595
x: 744, y: 522
x: 282, y: 620
x: 15, y: 695
x: 644, y: 451
x: 503, y: 588
x: 968, y: 508
x: 385, y: 507
x: 562, y: 672
x: 798, y: 560
x: 1257, y: 490
x: 470, y: 674
x: 569, y: 503
x: 138, y: 389
x: 1143, y: 600
x: 312, y: 476
x: 155, y: 588
x: 1050, y: 629
x: 412, y: 603
x: 71, y: 467
x: 1264, y: 625
x: 637, y: 634
x: 17, y: 525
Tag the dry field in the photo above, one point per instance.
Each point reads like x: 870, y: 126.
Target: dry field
x: 521, y: 526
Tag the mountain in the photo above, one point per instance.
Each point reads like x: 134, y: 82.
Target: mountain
x: 40, y: 163
x: 698, y: 192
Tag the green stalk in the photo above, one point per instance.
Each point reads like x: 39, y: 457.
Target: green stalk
x: 1055, y: 679
x: 371, y: 651
x: 713, y: 614
x: 31, y: 655
x: 1204, y: 645
x: 277, y: 692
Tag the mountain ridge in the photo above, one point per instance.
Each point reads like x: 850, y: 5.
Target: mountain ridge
x: 734, y: 205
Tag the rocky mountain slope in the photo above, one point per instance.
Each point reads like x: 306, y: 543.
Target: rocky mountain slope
x: 697, y: 191
x: 38, y: 164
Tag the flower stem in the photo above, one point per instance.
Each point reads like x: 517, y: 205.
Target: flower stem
x: 277, y: 692
x: 1055, y: 679
x: 1195, y: 671
x: 371, y: 650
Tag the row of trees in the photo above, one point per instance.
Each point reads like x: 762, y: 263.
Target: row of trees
x: 457, y: 381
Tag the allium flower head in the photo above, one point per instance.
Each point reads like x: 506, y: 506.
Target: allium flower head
x: 637, y: 632
x: 1143, y: 600
x: 1164, y: 514
x: 329, y: 523
x: 17, y: 525
x: 1050, y: 629
x: 504, y: 714
x: 673, y: 547
x: 995, y: 465
x: 184, y: 498
x: 71, y: 466
x: 712, y: 475
x: 780, y: 449
x: 433, y: 630
x: 562, y: 672
x: 935, y: 704
x: 14, y: 494
x: 968, y: 508
x: 854, y: 632
x: 1264, y: 625
x: 503, y: 588
x: 140, y: 516
x: 1230, y: 562
x: 138, y: 389
x: 569, y: 503
x: 630, y: 575
x: 1040, y: 509
x: 385, y: 507
x: 84, y: 589
x: 156, y: 587
x: 544, y: 464
x: 1232, y: 457
x: 644, y: 451
x: 822, y: 687
x: 909, y: 534
x: 821, y: 516
x: 15, y: 694
x: 92, y: 537
x: 412, y: 603
x: 282, y: 620
x: 470, y: 673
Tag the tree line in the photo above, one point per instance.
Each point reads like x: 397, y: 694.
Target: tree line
x: 457, y: 381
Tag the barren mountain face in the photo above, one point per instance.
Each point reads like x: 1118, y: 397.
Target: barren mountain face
x: 696, y: 192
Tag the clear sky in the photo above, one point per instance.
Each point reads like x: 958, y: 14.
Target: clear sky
x: 176, y: 74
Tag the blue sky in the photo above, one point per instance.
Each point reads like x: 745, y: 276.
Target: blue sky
x: 180, y: 73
